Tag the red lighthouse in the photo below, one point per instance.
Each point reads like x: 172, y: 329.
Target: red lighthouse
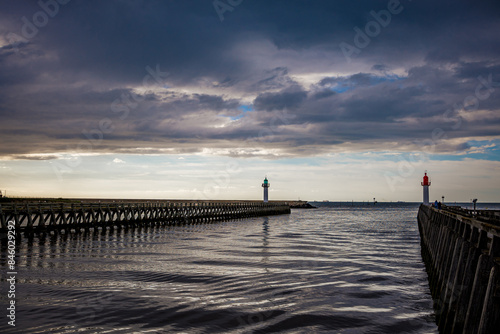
x: 426, y: 183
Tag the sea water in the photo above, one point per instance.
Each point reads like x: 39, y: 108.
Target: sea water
x: 335, y: 269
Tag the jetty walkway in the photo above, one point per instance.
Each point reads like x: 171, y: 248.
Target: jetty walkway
x: 41, y: 217
x: 461, y: 251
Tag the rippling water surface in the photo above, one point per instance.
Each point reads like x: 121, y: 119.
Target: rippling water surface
x: 329, y: 270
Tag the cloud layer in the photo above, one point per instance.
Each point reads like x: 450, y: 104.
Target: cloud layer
x: 270, y: 79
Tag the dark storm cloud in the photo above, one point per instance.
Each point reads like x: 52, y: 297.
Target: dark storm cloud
x: 468, y: 70
x: 170, y: 74
x: 215, y: 102
x: 358, y: 79
x: 323, y: 94
x: 289, y: 98
x: 276, y: 78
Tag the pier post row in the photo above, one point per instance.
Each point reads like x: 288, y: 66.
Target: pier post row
x: 461, y: 251
x: 36, y: 217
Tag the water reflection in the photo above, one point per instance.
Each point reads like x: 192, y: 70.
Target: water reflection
x: 265, y: 242
x: 313, y: 271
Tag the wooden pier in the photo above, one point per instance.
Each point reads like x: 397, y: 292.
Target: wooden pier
x: 461, y: 250
x: 41, y: 217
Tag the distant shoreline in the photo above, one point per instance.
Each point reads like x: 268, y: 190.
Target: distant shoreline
x: 292, y: 203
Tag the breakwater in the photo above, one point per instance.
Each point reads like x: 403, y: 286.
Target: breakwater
x: 461, y: 251
x: 39, y: 217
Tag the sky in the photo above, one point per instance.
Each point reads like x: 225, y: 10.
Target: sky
x: 201, y: 99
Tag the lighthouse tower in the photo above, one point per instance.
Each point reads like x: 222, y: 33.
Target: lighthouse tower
x: 266, y: 186
x: 426, y: 183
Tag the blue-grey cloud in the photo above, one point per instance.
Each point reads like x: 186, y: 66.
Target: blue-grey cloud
x: 287, y: 99
x: 87, y: 65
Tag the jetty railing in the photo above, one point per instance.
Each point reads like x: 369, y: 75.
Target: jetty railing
x: 461, y: 250
x: 36, y: 217
x: 489, y: 216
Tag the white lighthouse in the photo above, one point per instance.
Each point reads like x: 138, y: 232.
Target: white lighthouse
x: 266, y: 186
x: 426, y: 183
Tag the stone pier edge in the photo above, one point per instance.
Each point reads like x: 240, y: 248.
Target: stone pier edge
x: 462, y: 258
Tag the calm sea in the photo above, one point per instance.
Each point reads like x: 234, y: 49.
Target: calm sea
x: 335, y: 269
